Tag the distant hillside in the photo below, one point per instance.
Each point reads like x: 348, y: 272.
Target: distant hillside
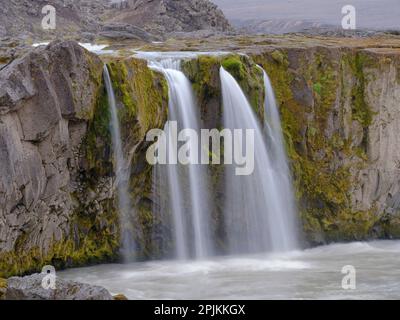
x: 90, y: 18
x: 269, y: 15
x: 22, y: 18
x: 167, y: 16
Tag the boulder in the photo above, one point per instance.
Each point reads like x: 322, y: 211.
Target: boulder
x: 30, y: 288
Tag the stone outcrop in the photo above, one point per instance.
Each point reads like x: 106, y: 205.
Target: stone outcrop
x: 57, y: 186
x: 47, y: 99
x: 31, y: 288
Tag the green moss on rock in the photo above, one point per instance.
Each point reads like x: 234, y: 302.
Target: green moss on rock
x: 203, y: 72
x: 142, y: 98
x: 97, y: 142
x: 142, y: 93
x: 315, y: 146
x: 235, y: 67
x: 3, y: 288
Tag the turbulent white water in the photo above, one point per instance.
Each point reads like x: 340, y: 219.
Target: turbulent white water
x: 188, y: 185
x: 122, y: 172
x: 258, y: 208
x: 308, y: 274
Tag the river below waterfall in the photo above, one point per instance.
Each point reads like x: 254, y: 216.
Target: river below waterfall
x: 309, y: 274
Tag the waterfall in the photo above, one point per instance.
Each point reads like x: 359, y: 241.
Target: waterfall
x: 259, y: 209
x: 188, y: 185
x: 277, y: 152
x: 122, y: 173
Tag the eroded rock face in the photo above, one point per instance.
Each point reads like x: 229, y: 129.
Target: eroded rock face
x: 57, y: 184
x: 47, y: 99
x: 30, y: 288
x: 379, y: 182
x: 166, y: 16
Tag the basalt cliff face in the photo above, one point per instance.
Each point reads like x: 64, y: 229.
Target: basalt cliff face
x: 339, y: 104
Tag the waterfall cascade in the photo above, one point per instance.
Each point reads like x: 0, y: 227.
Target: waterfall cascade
x: 188, y: 195
x: 277, y: 152
x: 122, y: 172
x: 258, y: 208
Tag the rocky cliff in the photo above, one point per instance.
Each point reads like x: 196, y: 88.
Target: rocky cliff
x: 56, y: 187
x: 339, y: 106
x: 339, y: 109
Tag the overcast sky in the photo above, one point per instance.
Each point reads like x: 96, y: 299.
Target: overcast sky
x: 370, y: 13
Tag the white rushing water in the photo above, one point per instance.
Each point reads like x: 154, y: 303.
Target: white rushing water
x: 279, y: 161
x: 309, y: 274
x: 258, y: 208
x: 188, y: 185
x: 122, y: 172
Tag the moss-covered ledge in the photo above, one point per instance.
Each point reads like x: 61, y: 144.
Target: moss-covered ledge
x: 142, y: 101
x: 327, y: 117
x: 203, y: 72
